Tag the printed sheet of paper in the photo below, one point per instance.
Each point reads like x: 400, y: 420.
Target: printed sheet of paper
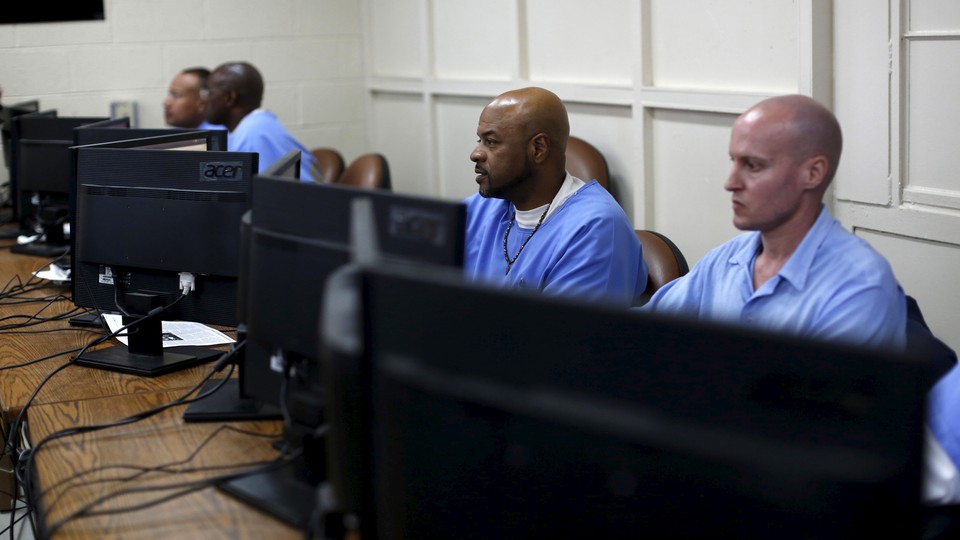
x: 177, y: 333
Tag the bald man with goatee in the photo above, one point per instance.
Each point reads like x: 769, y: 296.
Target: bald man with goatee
x: 532, y: 225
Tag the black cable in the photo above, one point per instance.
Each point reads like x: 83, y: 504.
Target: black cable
x: 42, y: 359
x: 14, y: 519
x: 184, y: 488
x: 184, y: 399
x: 11, y: 445
x: 66, y: 485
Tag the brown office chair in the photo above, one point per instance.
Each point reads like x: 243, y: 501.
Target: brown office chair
x: 665, y: 262
x: 586, y: 162
x: 369, y: 171
x: 330, y: 164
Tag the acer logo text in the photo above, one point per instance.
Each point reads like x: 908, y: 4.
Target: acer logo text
x: 221, y: 170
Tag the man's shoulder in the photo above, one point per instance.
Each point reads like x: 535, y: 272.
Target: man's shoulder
x: 595, y: 202
x: 845, y: 249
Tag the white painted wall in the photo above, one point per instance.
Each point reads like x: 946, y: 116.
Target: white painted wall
x: 897, y: 88
x: 309, y: 52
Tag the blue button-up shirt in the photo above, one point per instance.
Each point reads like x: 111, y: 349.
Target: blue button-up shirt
x: 834, y: 286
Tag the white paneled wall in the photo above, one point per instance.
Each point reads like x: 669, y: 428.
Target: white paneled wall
x: 309, y: 51
x: 642, y: 80
x: 722, y: 45
x: 690, y: 165
x: 897, y: 82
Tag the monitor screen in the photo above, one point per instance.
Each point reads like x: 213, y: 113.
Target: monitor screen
x: 144, y: 216
x: 495, y: 414
x: 300, y: 235
x: 41, y: 178
x: 288, y: 166
x: 96, y: 134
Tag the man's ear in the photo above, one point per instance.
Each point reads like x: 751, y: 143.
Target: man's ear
x: 230, y: 99
x: 816, y: 168
x: 540, y: 147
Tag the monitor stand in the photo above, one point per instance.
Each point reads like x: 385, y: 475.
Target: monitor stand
x: 229, y: 405
x: 145, y: 354
x: 289, y: 492
x: 41, y: 249
x: 55, y: 242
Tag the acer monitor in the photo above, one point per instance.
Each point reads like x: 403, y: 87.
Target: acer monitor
x: 152, y: 223
x: 41, y: 177
x: 102, y: 136
x: 300, y: 235
x: 474, y: 412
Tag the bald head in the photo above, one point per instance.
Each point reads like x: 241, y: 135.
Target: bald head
x: 235, y: 90
x: 808, y: 128
x: 242, y: 78
x: 534, y: 110
x: 521, y: 151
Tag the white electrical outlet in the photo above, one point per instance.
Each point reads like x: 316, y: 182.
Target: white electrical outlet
x: 120, y: 109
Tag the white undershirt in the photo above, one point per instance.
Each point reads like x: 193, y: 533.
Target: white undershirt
x: 528, y: 219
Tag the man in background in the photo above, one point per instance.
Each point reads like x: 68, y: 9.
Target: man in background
x: 236, y: 92
x: 186, y: 101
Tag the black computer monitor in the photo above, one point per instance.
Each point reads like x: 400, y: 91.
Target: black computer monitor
x: 300, y: 235
x: 7, y: 113
x: 14, y: 193
x: 480, y: 413
x: 146, y: 215
x: 41, y: 177
x: 96, y: 134
x: 6, y: 125
x: 288, y: 166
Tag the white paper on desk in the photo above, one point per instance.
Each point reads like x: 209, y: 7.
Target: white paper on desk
x: 54, y: 273
x: 176, y: 333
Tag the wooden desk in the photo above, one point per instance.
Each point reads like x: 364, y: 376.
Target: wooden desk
x: 76, y: 470
x: 73, y: 471
x: 75, y: 382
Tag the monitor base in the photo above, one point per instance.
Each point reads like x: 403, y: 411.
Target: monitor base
x: 288, y: 493
x: 119, y: 358
x: 227, y: 405
x: 41, y: 249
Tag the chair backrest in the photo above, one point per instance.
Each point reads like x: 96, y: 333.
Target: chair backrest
x: 665, y: 262
x: 330, y: 164
x: 369, y: 171
x: 586, y: 162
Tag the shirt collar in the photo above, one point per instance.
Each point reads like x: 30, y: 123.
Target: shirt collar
x: 797, y: 268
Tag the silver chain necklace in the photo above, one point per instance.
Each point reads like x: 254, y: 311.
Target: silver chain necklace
x: 506, y: 255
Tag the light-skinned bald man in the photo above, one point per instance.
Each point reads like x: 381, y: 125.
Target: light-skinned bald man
x: 798, y: 270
